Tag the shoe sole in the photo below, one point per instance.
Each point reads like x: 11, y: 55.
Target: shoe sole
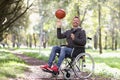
x: 49, y: 71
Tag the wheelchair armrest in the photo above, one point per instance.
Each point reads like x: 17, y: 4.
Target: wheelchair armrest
x: 79, y: 47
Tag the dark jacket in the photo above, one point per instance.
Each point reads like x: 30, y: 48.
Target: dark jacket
x: 79, y: 41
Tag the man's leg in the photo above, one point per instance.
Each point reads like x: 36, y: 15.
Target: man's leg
x: 63, y: 52
x: 55, y: 49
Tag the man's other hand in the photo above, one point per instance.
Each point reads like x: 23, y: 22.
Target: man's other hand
x: 72, y: 36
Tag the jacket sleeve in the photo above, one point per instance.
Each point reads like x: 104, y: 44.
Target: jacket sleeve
x: 60, y: 35
x: 81, y: 40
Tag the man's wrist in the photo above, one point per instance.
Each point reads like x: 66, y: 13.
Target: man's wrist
x: 58, y: 26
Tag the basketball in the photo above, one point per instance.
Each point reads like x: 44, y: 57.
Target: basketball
x: 60, y: 14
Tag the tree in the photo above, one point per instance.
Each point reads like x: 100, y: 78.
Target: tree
x: 10, y: 12
x: 99, y: 24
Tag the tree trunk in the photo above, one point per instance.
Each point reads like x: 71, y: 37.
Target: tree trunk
x: 99, y: 22
x: 116, y: 42
x: 27, y: 41
x: 113, y: 33
x: 34, y: 38
x: 100, y: 42
x: 78, y: 14
x: 1, y: 37
x: 112, y: 42
x: 95, y: 41
x: 13, y: 40
x: 105, y: 41
x: 30, y: 41
x: 18, y: 41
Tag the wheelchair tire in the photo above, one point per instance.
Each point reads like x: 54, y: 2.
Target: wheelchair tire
x: 83, y: 68
x: 67, y: 75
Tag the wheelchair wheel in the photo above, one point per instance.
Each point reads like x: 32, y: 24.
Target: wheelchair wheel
x: 83, y: 65
x: 67, y: 75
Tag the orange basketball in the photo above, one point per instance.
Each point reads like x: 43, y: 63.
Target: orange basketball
x: 60, y: 14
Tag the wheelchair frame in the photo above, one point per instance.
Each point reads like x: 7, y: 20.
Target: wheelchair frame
x: 74, y: 69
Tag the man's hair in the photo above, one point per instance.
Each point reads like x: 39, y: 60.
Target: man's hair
x: 76, y: 17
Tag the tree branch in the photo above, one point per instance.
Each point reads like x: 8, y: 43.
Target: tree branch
x: 13, y: 11
x: 13, y: 20
x: 83, y: 17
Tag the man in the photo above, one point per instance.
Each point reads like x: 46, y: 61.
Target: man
x: 75, y: 37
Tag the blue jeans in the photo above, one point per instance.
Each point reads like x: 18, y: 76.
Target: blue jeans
x: 62, y: 51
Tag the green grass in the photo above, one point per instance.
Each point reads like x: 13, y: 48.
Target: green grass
x: 104, y: 51
x: 112, y: 62
x: 37, y: 55
x: 10, y: 66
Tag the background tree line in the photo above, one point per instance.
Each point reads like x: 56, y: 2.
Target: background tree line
x: 100, y: 19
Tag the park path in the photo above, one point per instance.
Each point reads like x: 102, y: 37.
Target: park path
x: 35, y: 73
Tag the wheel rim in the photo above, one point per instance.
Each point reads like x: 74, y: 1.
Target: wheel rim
x: 83, y: 69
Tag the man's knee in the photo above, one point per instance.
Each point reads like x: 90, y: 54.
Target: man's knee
x: 63, y: 48
x: 62, y: 52
x: 55, y: 47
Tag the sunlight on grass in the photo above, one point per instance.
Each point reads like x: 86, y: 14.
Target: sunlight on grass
x: 112, y: 62
x: 103, y: 69
x: 12, y: 69
x: 37, y: 55
x: 10, y: 66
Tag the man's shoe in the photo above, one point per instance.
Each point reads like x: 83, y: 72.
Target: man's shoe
x: 54, y: 69
x: 44, y: 67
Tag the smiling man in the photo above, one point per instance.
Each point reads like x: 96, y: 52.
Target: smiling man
x: 75, y: 37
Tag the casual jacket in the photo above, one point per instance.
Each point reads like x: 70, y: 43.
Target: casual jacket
x: 78, y: 42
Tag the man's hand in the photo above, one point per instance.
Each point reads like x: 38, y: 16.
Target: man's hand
x: 72, y: 36
x: 59, y: 23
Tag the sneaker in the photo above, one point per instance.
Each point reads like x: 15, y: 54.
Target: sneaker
x: 54, y: 69
x: 46, y: 66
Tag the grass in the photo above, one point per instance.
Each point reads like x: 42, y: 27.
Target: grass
x: 104, y: 51
x: 10, y: 66
x: 112, y: 62
x: 37, y: 55
x: 106, y: 60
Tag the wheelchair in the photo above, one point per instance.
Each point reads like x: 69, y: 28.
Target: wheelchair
x: 80, y: 66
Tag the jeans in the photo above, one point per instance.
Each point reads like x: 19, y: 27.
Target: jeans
x: 62, y: 51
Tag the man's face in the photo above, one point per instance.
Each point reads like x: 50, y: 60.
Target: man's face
x: 76, y: 22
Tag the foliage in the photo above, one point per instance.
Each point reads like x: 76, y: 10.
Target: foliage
x: 87, y: 10
x: 10, y: 12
